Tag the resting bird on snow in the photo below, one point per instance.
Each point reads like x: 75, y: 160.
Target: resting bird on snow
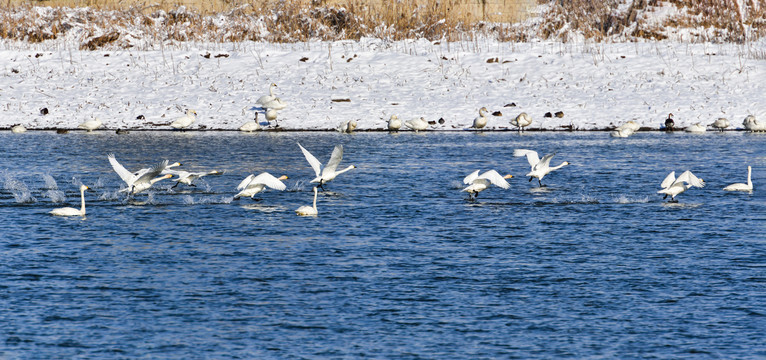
x: 185, y: 121
x: 394, y: 124
x: 521, y: 121
x: 480, y: 121
x: 720, y: 124
x: 90, y: 125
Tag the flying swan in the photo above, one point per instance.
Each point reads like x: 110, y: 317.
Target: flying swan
x: 69, y: 211
x: 252, y: 184
x: 478, y: 183
x: 741, y: 186
x: 540, y: 167
x: 186, y: 177
x: 673, y: 186
x: 306, y: 210
x: 326, y: 174
x: 141, y: 180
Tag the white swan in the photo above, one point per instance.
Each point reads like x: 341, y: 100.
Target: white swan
x: 90, y: 125
x: 271, y: 115
x: 540, y: 167
x: 251, y: 125
x: 625, y: 130
x: 480, y: 121
x: 741, y: 186
x: 69, y: 211
x: 419, y: 124
x: 347, y: 127
x: 141, y: 180
x: 673, y: 186
x: 18, y: 129
x: 752, y: 125
x: 252, y: 184
x: 696, y: 128
x: 276, y: 104
x: 306, y: 210
x: 394, y: 124
x: 326, y: 174
x: 478, y: 183
x: 720, y: 123
x: 267, y: 98
x: 185, y: 121
x: 185, y: 177
x: 521, y: 121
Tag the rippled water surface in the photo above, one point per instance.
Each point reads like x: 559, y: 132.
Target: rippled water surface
x: 398, y: 264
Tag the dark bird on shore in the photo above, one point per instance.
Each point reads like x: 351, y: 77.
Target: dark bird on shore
x: 669, y: 123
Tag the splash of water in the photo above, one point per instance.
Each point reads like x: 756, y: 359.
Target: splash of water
x: 50, y: 182
x: 56, y: 196
x: 188, y: 200
x: 622, y: 199
x: 19, y: 190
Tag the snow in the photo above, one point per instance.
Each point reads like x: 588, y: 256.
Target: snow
x: 596, y: 85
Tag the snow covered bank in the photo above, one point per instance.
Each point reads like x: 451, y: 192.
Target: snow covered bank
x: 596, y: 86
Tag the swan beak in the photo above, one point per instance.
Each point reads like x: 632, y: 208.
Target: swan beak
x: 508, y: 176
x: 168, y: 176
x: 283, y: 177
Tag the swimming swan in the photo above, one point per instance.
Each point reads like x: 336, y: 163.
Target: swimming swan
x: 326, y: 174
x: 394, y: 124
x: 478, y: 183
x: 185, y: 121
x: 673, y: 186
x: 521, y: 121
x: 419, y: 124
x: 480, y: 121
x: 90, y: 125
x: 185, y: 177
x: 540, y: 167
x: 741, y: 186
x: 69, y: 211
x: 252, y: 184
x: 306, y: 210
x: 141, y: 180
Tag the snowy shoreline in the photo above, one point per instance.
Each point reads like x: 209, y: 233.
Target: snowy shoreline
x: 597, y: 86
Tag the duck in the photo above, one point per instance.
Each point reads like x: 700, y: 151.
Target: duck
x: 329, y: 172
x: 696, y: 128
x: 478, y: 183
x: 540, y: 167
x: 253, y: 184
x: 418, y: 124
x: 669, y: 123
x: 306, y: 210
x: 70, y: 211
x: 521, y: 121
x: 673, y: 186
x: 480, y: 121
x: 394, y: 124
x: 741, y: 186
x: 185, y: 121
x: 90, y: 125
x: 720, y: 124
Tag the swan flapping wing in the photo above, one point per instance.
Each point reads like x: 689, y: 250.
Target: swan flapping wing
x: 268, y: 180
x: 153, y: 172
x: 544, y: 162
x: 471, y: 177
x: 669, y: 180
x: 335, y: 158
x: 315, y: 164
x: 244, y: 183
x: 495, y: 178
x: 123, y: 173
x: 531, y: 155
x: 690, y: 178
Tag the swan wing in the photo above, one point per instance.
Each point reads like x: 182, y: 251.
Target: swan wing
x: 495, y: 178
x: 244, y: 183
x: 335, y: 158
x: 269, y: 180
x: 668, y: 180
x: 153, y: 172
x: 471, y: 177
x: 688, y: 177
x: 315, y: 164
x: 531, y: 155
x: 121, y: 171
x: 544, y: 162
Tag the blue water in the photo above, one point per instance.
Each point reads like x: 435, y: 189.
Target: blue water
x: 398, y: 264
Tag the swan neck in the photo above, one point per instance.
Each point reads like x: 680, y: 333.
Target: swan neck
x: 82, y: 201
x: 559, y: 166
x: 315, y: 198
x: 344, y: 170
x: 749, y: 179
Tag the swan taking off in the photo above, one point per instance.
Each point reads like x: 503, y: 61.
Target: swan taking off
x: 741, y: 186
x: 521, y: 121
x: 185, y: 121
x: 306, y: 210
x: 394, y: 124
x: 69, y: 211
x: 753, y: 125
x: 90, y: 125
x: 185, y: 177
x: 326, y: 174
x: 141, y: 180
x: 696, y: 128
x: 720, y: 123
x: 419, y: 124
x: 478, y: 183
x: 480, y: 121
x: 540, y: 167
x: 673, y: 186
x: 252, y: 184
